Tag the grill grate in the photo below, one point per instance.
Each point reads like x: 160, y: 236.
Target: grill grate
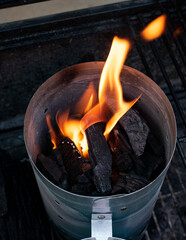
x: 163, y: 60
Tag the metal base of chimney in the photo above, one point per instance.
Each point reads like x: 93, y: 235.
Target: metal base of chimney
x: 70, y: 213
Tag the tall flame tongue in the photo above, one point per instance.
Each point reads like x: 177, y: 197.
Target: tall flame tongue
x: 154, y: 29
x: 110, y: 89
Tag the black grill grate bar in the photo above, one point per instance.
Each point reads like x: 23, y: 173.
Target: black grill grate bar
x: 156, y: 223
x: 165, y: 75
x: 169, y: 222
x: 167, y: 44
x: 147, y: 236
x: 178, y: 42
x: 142, y: 56
x: 179, y: 13
x: 173, y: 196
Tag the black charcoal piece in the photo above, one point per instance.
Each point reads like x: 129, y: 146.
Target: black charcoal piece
x: 100, y: 157
x: 136, y: 129
x: 139, y: 165
x: 128, y: 183
x: 122, y: 161
x: 83, y: 186
x: 63, y: 182
x: 155, y: 145
x: 72, y: 159
x: 49, y: 168
x: 153, y: 165
x: 53, y: 168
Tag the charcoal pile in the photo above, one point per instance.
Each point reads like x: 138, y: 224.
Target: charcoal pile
x: 128, y: 160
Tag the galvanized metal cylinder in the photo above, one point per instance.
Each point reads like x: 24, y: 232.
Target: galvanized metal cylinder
x: 71, y: 213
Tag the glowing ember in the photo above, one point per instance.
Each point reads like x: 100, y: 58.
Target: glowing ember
x: 177, y: 32
x: 154, y: 29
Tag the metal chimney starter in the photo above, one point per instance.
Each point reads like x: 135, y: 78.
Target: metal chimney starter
x: 72, y: 214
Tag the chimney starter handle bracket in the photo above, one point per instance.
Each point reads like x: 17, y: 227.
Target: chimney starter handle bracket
x: 101, y: 227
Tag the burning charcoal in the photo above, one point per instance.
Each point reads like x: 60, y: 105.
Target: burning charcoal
x: 153, y: 165
x: 84, y: 186
x: 100, y: 157
x: 72, y: 159
x: 122, y: 161
x: 136, y: 129
x: 154, y: 144
x: 128, y: 183
x: 49, y: 168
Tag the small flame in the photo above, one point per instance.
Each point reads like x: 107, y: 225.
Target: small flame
x: 154, y: 29
x: 51, y: 131
x: 72, y: 128
x: 90, y: 96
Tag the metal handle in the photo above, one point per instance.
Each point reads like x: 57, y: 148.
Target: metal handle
x: 101, y: 227
x: 101, y: 221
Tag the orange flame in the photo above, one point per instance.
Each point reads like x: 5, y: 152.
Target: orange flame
x: 111, y: 106
x: 110, y: 89
x: 95, y: 115
x: 51, y: 131
x: 90, y: 96
x: 154, y: 29
x: 70, y: 127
